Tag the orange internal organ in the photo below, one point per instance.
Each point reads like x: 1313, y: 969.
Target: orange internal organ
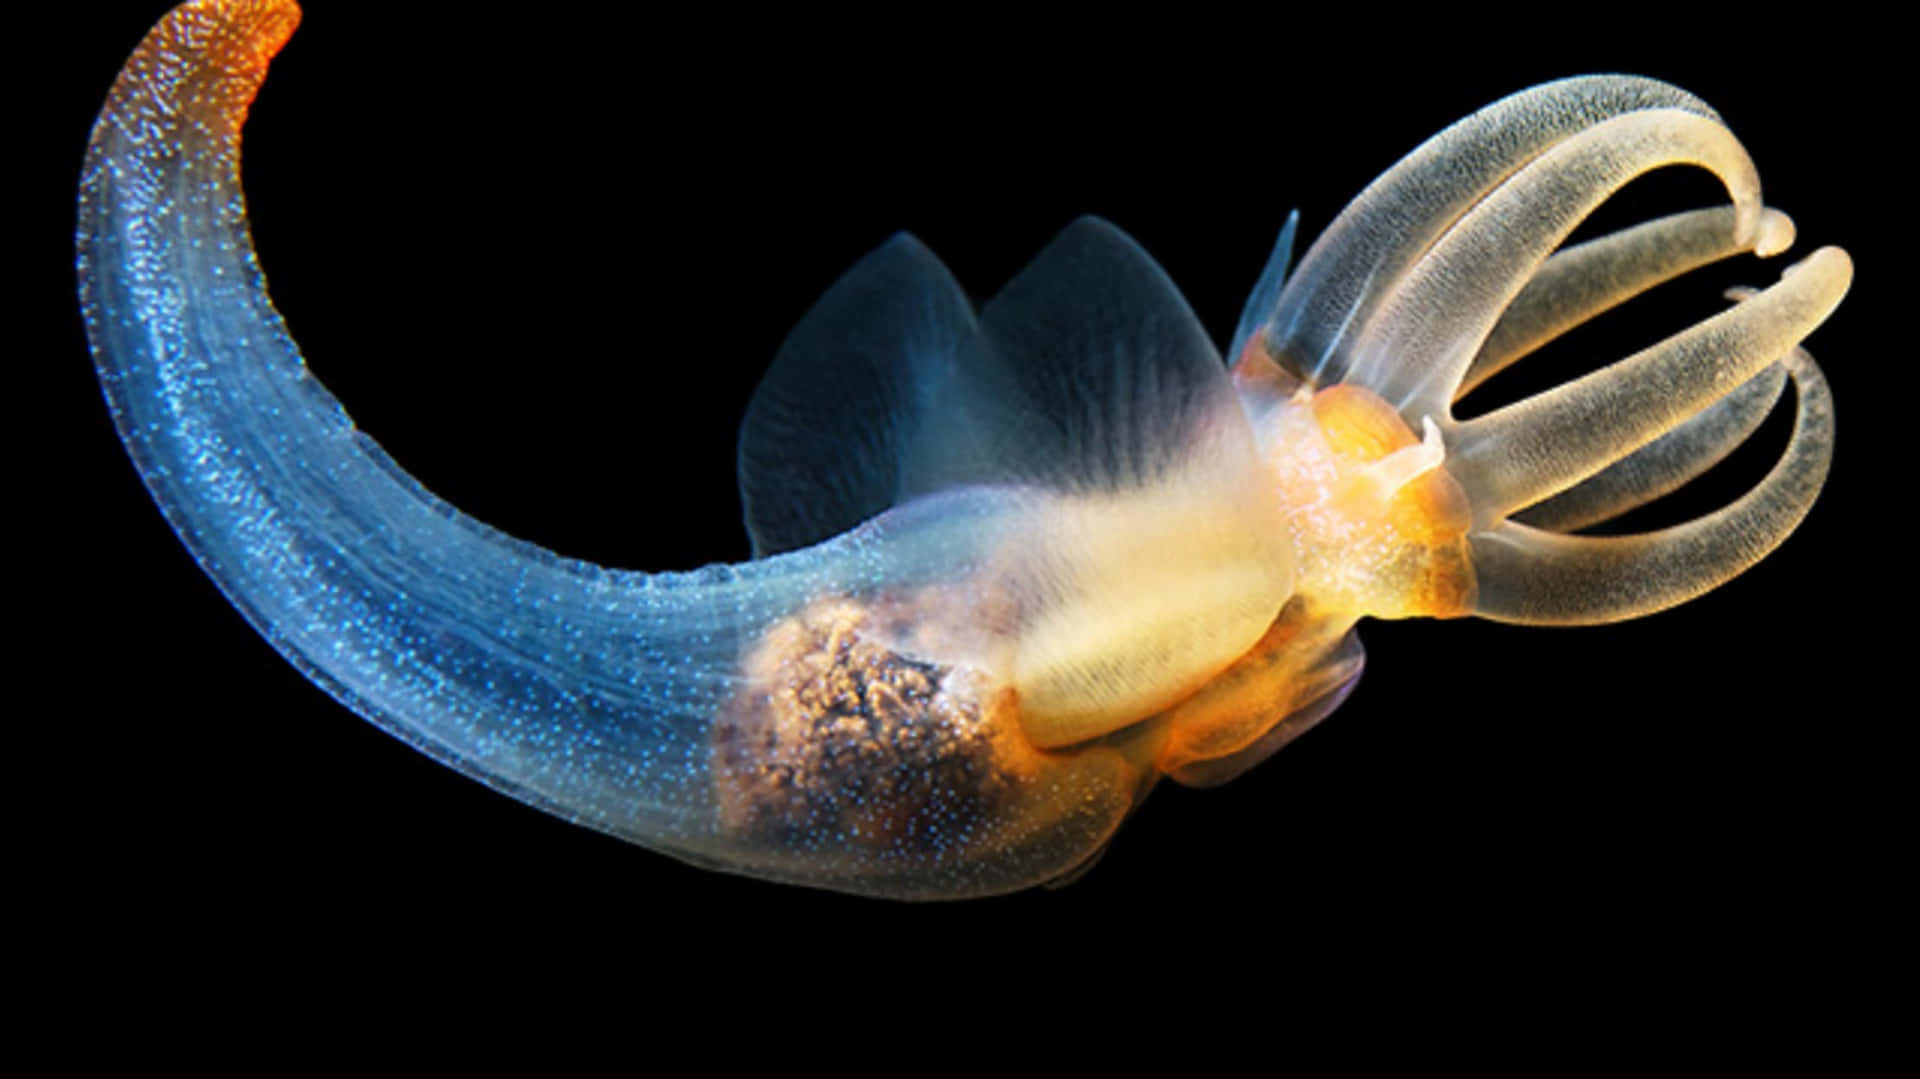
x: 222, y: 45
x: 1379, y: 527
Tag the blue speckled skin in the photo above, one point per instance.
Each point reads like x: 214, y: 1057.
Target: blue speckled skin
x: 591, y: 698
x: 361, y: 578
x: 588, y: 692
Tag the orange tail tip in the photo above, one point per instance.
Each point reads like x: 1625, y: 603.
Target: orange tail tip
x: 225, y: 44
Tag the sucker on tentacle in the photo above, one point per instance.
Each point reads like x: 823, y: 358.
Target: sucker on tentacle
x: 1014, y: 562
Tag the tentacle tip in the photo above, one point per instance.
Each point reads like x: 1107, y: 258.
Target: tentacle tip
x: 1776, y: 233
x: 1829, y: 262
x: 1842, y: 262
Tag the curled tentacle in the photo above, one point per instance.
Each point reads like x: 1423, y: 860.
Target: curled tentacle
x: 1444, y: 272
x: 1666, y: 463
x: 1361, y: 257
x: 1582, y: 281
x: 1416, y: 348
x: 1534, y: 576
x: 1515, y: 456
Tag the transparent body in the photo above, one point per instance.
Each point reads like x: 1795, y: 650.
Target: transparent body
x: 1013, y: 564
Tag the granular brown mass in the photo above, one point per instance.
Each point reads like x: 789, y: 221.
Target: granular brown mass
x: 839, y: 740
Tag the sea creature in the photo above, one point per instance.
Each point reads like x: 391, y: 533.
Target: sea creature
x: 1013, y: 564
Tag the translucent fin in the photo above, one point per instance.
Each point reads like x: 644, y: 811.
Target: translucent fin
x: 1088, y: 372
x: 1266, y: 291
x: 1530, y: 576
x: 1362, y: 255
x: 1091, y: 374
x: 821, y: 445
x: 1158, y: 556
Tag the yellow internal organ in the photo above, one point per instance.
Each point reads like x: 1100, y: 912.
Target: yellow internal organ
x: 1136, y: 599
x: 1378, y: 527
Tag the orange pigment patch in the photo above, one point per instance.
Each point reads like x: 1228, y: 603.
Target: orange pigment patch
x: 221, y: 48
x: 247, y: 34
x: 1366, y: 546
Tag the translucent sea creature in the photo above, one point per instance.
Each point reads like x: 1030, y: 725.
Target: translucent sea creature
x: 1013, y: 564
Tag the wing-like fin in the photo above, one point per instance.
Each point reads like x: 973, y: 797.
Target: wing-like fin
x: 1088, y: 372
x: 1101, y: 377
x: 1145, y: 555
x: 849, y: 391
x: 1160, y: 556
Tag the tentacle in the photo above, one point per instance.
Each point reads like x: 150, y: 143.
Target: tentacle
x: 1582, y: 281
x: 1527, y: 575
x: 1415, y: 349
x: 1520, y: 454
x: 1666, y: 463
x: 1361, y: 257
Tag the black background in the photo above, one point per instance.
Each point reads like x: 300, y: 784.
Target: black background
x: 543, y: 262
